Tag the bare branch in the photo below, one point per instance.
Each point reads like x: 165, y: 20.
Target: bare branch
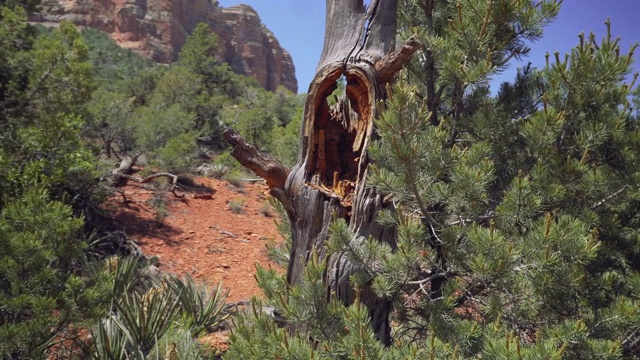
x: 174, y: 180
x: 609, y: 197
x: 463, y: 221
x: 250, y: 157
x: 438, y: 275
x: 388, y: 66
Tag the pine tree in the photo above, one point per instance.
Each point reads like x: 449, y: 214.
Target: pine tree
x: 517, y: 214
x: 47, y: 181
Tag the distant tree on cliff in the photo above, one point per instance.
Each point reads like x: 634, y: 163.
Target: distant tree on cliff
x: 514, y: 217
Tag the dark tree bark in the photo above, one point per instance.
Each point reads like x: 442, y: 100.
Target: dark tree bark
x: 330, y: 178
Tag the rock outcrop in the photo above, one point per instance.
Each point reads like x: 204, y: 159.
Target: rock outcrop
x: 158, y: 29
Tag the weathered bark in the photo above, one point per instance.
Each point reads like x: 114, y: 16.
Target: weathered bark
x: 126, y: 163
x: 330, y: 179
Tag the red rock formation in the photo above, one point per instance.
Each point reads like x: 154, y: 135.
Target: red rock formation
x: 158, y: 29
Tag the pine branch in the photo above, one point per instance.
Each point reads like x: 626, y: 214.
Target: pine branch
x: 463, y: 221
x: 632, y: 340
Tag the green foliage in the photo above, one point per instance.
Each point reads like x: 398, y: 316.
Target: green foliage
x: 234, y: 178
x: 41, y: 249
x: 178, y: 343
x: 177, y: 154
x: 286, y: 141
x: 252, y: 120
x: 146, y: 318
x: 112, y: 64
x: 45, y: 82
x: 155, y: 126
x: 110, y: 118
x: 149, y: 313
x: 280, y: 253
x: 175, y: 114
x: 66, y: 96
x: 59, y: 72
x: 28, y: 6
x: 516, y: 214
x: 258, y: 336
x: 202, y: 308
x: 199, y: 51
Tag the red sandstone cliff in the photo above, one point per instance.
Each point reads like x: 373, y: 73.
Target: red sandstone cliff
x: 158, y: 29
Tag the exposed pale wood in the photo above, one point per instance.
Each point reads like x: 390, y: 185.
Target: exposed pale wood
x: 173, y: 177
x: 126, y: 163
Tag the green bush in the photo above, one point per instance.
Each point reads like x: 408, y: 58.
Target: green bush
x: 178, y: 154
x: 41, y: 291
x: 201, y: 307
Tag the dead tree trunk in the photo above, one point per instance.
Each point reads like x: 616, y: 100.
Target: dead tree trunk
x: 330, y: 178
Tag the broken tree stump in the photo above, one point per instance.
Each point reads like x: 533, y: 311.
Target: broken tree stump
x: 329, y: 180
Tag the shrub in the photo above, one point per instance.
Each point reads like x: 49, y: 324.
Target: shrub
x: 178, y: 154
x: 236, y: 207
x: 201, y: 307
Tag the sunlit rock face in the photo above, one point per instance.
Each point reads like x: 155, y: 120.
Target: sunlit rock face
x: 158, y: 28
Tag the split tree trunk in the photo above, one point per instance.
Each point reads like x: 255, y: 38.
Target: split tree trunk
x: 330, y: 178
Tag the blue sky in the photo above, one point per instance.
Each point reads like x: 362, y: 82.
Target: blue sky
x: 299, y: 27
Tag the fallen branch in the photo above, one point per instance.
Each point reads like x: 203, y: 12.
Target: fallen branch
x: 253, y: 180
x: 174, y: 180
x: 229, y: 234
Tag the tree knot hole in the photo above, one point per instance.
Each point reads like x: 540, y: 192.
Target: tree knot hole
x: 339, y: 131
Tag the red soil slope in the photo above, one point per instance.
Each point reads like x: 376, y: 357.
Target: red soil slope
x: 219, y: 234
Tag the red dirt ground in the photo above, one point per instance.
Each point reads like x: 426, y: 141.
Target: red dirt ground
x: 201, y: 235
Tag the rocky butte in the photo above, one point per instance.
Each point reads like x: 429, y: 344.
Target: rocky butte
x: 158, y: 29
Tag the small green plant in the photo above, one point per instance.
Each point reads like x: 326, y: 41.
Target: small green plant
x: 177, y: 343
x: 159, y: 202
x: 234, y: 178
x: 178, y: 154
x: 146, y: 318
x: 110, y: 342
x: 160, y: 216
x: 266, y: 210
x: 236, y: 207
x: 201, y: 307
x: 218, y: 170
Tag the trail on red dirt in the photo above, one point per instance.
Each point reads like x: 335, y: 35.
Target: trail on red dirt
x: 218, y: 232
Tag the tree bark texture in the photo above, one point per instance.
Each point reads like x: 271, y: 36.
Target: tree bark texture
x: 329, y: 180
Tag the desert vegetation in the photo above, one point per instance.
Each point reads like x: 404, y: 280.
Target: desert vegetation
x: 514, y: 215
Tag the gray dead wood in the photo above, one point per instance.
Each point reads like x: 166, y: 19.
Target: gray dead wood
x: 330, y: 177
